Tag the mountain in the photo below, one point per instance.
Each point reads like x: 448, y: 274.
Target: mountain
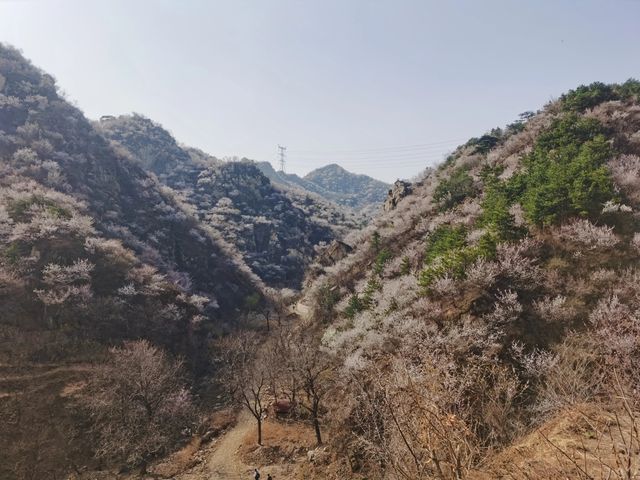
x: 356, y: 191
x: 332, y: 182
x: 486, y: 326
x: 275, y: 230
x: 94, y: 251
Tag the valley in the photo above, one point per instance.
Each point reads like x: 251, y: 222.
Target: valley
x: 168, y: 314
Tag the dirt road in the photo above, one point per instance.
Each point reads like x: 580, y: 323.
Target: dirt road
x: 224, y: 462
x: 222, y: 459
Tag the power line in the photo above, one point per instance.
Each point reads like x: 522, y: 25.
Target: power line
x: 416, y: 146
x: 393, y: 158
x: 389, y: 156
x: 391, y: 164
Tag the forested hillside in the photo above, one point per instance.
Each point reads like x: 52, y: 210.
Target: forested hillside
x: 93, y: 252
x: 276, y: 230
x: 356, y: 191
x: 487, y: 327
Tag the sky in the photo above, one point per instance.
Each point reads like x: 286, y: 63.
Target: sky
x: 384, y: 88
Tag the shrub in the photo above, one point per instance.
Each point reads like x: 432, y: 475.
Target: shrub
x: 554, y: 309
x: 444, y: 286
x: 447, y: 253
x: 589, y: 235
x: 565, y: 174
x: 572, y: 374
x: 444, y: 239
x: 625, y: 171
x: 453, y: 190
x: 138, y: 403
x: 618, y: 326
x: 507, y: 310
x: 516, y: 265
x: 587, y: 96
x: 629, y: 89
x: 378, y: 265
x: 482, y: 273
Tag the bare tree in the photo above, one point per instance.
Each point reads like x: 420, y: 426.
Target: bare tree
x: 403, y: 428
x: 278, y: 304
x: 245, y: 378
x: 64, y: 285
x: 288, y: 372
x: 138, y: 403
x: 314, y: 368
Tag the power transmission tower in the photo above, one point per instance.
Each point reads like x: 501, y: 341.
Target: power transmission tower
x: 281, y: 154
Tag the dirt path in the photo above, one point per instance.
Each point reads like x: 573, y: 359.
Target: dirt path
x: 19, y: 379
x: 222, y: 459
x: 224, y: 462
x: 49, y: 370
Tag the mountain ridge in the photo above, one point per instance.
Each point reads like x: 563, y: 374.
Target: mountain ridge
x: 485, y: 325
x: 275, y: 230
x: 358, y: 192
x: 489, y: 305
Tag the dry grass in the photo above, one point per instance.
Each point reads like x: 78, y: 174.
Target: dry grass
x: 189, y: 455
x: 280, y: 440
x: 584, y: 441
x: 180, y: 461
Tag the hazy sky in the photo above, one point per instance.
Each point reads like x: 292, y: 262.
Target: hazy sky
x: 381, y: 87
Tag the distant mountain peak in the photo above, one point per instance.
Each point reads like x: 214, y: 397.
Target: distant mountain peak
x: 335, y: 183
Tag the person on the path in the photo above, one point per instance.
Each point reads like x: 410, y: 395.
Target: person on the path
x: 269, y: 476
x: 256, y: 476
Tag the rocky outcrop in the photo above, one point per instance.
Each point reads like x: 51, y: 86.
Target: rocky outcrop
x: 335, y: 252
x: 399, y: 190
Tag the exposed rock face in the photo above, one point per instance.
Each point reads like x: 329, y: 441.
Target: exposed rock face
x: 400, y: 190
x: 262, y: 235
x: 335, y: 252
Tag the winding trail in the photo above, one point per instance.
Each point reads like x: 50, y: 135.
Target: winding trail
x: 222, y: 459
x: 224, y: 462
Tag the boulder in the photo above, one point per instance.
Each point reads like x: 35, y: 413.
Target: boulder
x: 335, y: 252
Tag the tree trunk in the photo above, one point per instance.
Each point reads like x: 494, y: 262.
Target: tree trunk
x: 259, y: 431
x: 316, y: 426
